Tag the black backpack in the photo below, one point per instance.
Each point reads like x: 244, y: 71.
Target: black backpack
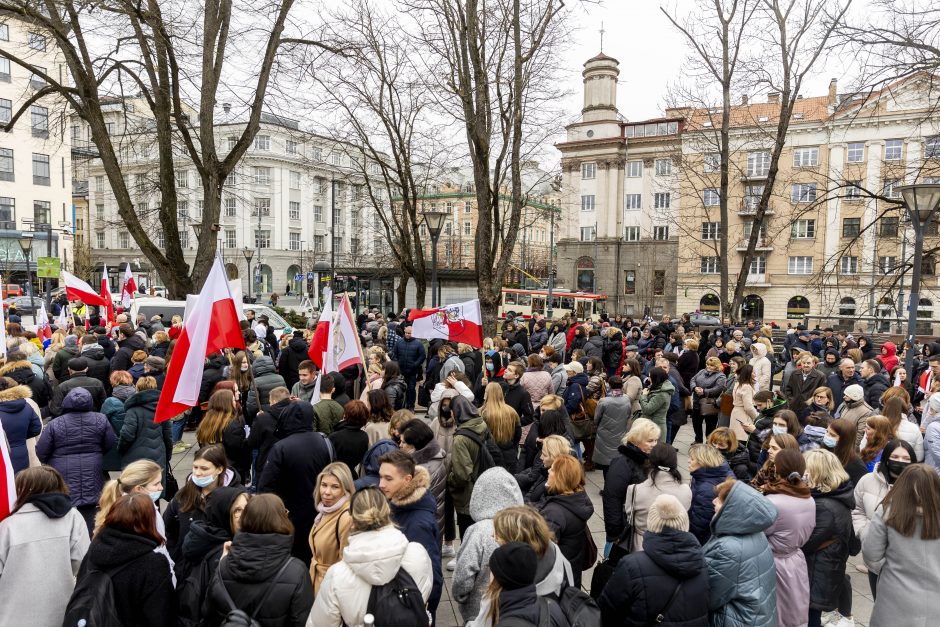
x: 398, y: 602
x: 545, y: 618
x: 579, y: 608
x: 240, y: 618
x: 92, y: 601
x: 489, y: 456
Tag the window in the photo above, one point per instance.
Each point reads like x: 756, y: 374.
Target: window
x: 587, y: 202
x: 711, y: 197
x: 39, y: 117
x: 36, y: 80
x: 929, y: 265
x: 6, y: 165
x: 99, y: 240
x: 40, y: 169
x: 231, y: 206
x: 184, y: 238
x: 888, y: 227
x: 42, y: 213
x: 752, y: 196
x: 4, y: 70
x: 182, y: 210
x: 659, y: 283
x: 318, y: 213
x: 262, y: 207
x: 853, y: 190
x: 317, y: 154
x: 466, y: 227
x: 803, y: 229
x: 467, y: 207
x: 932, y: 147
x: 232, y: 179
x: 448, y: 228
x: 661, y: 200
x: 888, y: 264
x: 710, y: 265
x: 7, y: 213
x: 293, y: 210
x: 338, y: 244
x: 893, y: 149
x: 262, y: 175
x: 230, y: 239
x: 99, y: 213
x: 635, y: 168
x: 805, y: 157
x: 587, y: 233
x: 294, y: 180
x: 588, y: 170
x: 36, y: 41
x: 661, y: 232
x: 803, y: 192
x: 891, y: 190
x: 262, y: 142
x: 182, y: 179
x: 4, y: 32
x: 631, y: 233
x: 711, y: 230
x: 848, y: 265
x: 337, y: 215
x: 262, y: 239
x: 758, y: 163
x: 633, y: 201
x: 856, y: 152
x: 293, y: 241
x: 319, y: 241
x: 231, y: 141
x: 318, y: 185
x: 629, y: 285
x: 851, y: 227
x: 124, y: 239
x: 291, y: 147
x: 663, y: 167
x: 336, y: 157
x: 758, y: 265
x: 6, y: 110
x: 712, y: 162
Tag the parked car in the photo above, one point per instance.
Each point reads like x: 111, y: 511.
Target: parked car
x: 23, y: 304
x: 8, y: 290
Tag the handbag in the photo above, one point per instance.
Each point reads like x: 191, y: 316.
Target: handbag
x: 582, y: 427
x: 726, y: 403
x: 707, y: 407
x: 661, y: 615
x: 622, y: 547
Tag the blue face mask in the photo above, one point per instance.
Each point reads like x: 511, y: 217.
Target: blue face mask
x: 489, y: 366
x: 202, y: 482
x: 155, y: 496
x: 829, y: 441
x: 778, y: 430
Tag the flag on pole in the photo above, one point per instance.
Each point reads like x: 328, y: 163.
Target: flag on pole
x: 344, y: 348
x: 462, y: 322
x: 43, y: 328
x: 76, y: 289
x: 211, y: 326
x: 62, y: 322
x: 7, y: 485
x: 318, y: 344
x: 105, y: 294
x: 129, y: 287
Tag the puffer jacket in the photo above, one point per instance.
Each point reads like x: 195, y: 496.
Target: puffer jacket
x: 494, y: 491
x: 628, y: 468
x: 702, y: 511
x: 567, y: 516
x: 655, y: 405
x: 763, y: 371
x: 869, y: 493
x: 22, y: 373
x: 538, y: 383
x: 370, y: 463
x: 122, y: 358
x: 141, y: 437
x: 266, y: 379
x: 644, y: 582
x: 410, y: 355
x: 463, y: 460
x: 396, y: 390
x: 594, y: 347
x: 372, y: 558
x: 611, y: 418
x: 99, y: 366
x: 742, y: 578
x: 113, y: 409
x: 248, y: 571
x: 19, y: 423
x: 60, y: 363
x: 75, y: 444
x: 434, y: 459
x: 827, y: 549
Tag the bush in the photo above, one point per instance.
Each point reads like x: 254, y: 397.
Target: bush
x: 296, y: 320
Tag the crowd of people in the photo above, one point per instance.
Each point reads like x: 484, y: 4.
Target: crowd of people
x: 340, y: 498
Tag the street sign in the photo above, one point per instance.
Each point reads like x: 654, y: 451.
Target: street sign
x: 299, y: 276
x: 47, y: 267
x: 310, y: 276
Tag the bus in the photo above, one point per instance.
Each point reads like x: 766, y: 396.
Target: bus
x: 525, y: 303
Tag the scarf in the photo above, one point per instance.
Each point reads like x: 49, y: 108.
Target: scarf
x: 323, y: 510
x: 615, y: 393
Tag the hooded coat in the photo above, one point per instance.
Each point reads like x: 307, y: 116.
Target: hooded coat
x: 122, y: 358
x: 611, y: 417
x: 640, y: 497
x: 247, y: 573
x: 141, y: 437
x: 266, y: 379
x: 22, y: 373
x: 99, y: 367
x: 827, y: 549
x: 495, y: 490
x: 19, y: 422
x: 567, y: 516
x: 414, y: 512
x: 350, y: 443
x: 889, y: 358
x: 655, y: 405
x: 78, y: 380
x: 75, y: 444
x: 742, y: 578
x: 262, y: 434
x: 626, y: 469
x: 60, y: 363
x: 796, y: 518
x: 291, y: 471
x: 464, y: 453
x: 370, y: 463
x: 644, y: 581
x: 702, y: 510
x: 434, y: 459
x: 289, y: 360
x: 763, y: 371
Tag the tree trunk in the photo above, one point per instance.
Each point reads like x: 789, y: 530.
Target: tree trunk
x: 401, y: 289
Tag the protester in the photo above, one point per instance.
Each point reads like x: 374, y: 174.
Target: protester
x: 512, y: 594
x: 350, y: 442
x: 708, y: 469
x: 663, y: 478
x: 503, y: 424
x: 330, y: 532
x: 567, y: 509
x: 612, y: 420
x: 655, y: 400
x: 629, y: 468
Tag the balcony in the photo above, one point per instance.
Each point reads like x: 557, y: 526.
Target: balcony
x: 763, y: 244
x: 749, y: 208
x: 755, y: 175
x: 757, y: 280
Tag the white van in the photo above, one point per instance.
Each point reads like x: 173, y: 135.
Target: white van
x: 150, y: 306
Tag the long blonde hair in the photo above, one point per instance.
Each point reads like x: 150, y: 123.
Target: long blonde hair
x: 135, y: 474
x: 500, y: 417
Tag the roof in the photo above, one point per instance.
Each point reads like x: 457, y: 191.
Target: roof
x: 602, y: 57
x: 760, y: 113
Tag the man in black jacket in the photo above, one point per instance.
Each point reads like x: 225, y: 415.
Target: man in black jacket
x: 874, y: 381
x: 410, y: 355
x: 98, y: 365
x: 129, y: 342
x: 262, y: 438
x: 78, y: 378
x: 288, y: 362
x: 841, y: 379
x: 515, y: 395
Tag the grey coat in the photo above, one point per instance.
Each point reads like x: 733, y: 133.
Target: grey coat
x: 434, y: 459
x: 909, y: 578
x: 266, y: 379
x: 611, y: 417
x: 712, y: 384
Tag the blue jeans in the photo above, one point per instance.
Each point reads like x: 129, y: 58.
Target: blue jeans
x: 177, y: 429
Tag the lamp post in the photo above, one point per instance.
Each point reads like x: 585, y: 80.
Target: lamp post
x: 26, y: 243
x: 922, y: 202
x: 249, y: 253
x: 435, y: 223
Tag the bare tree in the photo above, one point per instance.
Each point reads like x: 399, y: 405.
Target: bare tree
x: 169, y: 57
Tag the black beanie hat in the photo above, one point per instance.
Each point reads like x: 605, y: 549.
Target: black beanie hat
x: 513, y: 565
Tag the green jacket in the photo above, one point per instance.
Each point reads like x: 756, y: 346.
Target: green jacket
x: 655, y: 406
x: 329, y: 413
x: 464, y: 453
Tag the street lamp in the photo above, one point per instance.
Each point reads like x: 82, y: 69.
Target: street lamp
x: 435, y: 223
x: 26, y: 243
x: 922, y: 202
x: 249, y: 253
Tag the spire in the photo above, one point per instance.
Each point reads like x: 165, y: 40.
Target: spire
x: 602, y: 37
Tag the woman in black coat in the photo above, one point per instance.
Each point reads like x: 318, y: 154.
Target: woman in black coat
x: 628, y: 468
x: 259, y: 559
x: 566, y: 509
x: 667, y: 577
x: 828, y: 548
x: 349, y: 441
x: 124, y: 547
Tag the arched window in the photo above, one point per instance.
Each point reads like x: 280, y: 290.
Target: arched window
x: 752, y: 308
x: 710, y: 304
x: 797, y: 307
x: 584, y: 269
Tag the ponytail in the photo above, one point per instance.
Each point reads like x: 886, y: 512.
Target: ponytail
x: 135, y: 474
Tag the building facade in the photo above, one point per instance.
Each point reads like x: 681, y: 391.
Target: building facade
x: 35, y: 160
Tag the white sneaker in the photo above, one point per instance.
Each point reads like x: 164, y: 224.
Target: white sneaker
x: 845, y: 621
x: 452, y: 565
x: 448, y: 551
x: 830, y: 618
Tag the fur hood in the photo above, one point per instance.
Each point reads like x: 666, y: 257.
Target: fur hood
x: 414, y: 491
x: 15, y: 365
x: 15, y: 393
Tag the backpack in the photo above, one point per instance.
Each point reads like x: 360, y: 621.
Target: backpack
x: 398, y: 602
x: 92, y: 601
x: 489, y: 456
x: 240, y: 618
x: 579, y: 608
x: 545, y: 618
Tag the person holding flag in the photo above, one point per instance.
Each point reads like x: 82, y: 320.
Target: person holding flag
x: 128, y: 287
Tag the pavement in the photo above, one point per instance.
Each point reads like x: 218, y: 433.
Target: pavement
x: 448, y: 615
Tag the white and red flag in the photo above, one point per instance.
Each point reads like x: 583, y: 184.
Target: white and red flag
x: 128, y: 288
x: 211, y: 326
x: 76, y: 289
x: 344, y: 348
x: 462, y: 322
x: 7, y: 485
x: 43, y: 328
x: 107, y: 304
x: 321, y: 335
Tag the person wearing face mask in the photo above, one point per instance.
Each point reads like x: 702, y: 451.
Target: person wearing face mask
x: 492, y: 371
x: 871, y: 491
x: 840, y: 440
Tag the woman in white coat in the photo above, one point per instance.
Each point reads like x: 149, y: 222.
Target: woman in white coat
x: 42, y: 543
x: 375, y: 552
x: 763, y: 371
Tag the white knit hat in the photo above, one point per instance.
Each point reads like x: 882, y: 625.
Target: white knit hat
x: 854, y: 392
x: 667, y: 511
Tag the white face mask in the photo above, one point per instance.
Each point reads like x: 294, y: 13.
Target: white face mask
x: 778, y: 430
x: 244, y: 367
